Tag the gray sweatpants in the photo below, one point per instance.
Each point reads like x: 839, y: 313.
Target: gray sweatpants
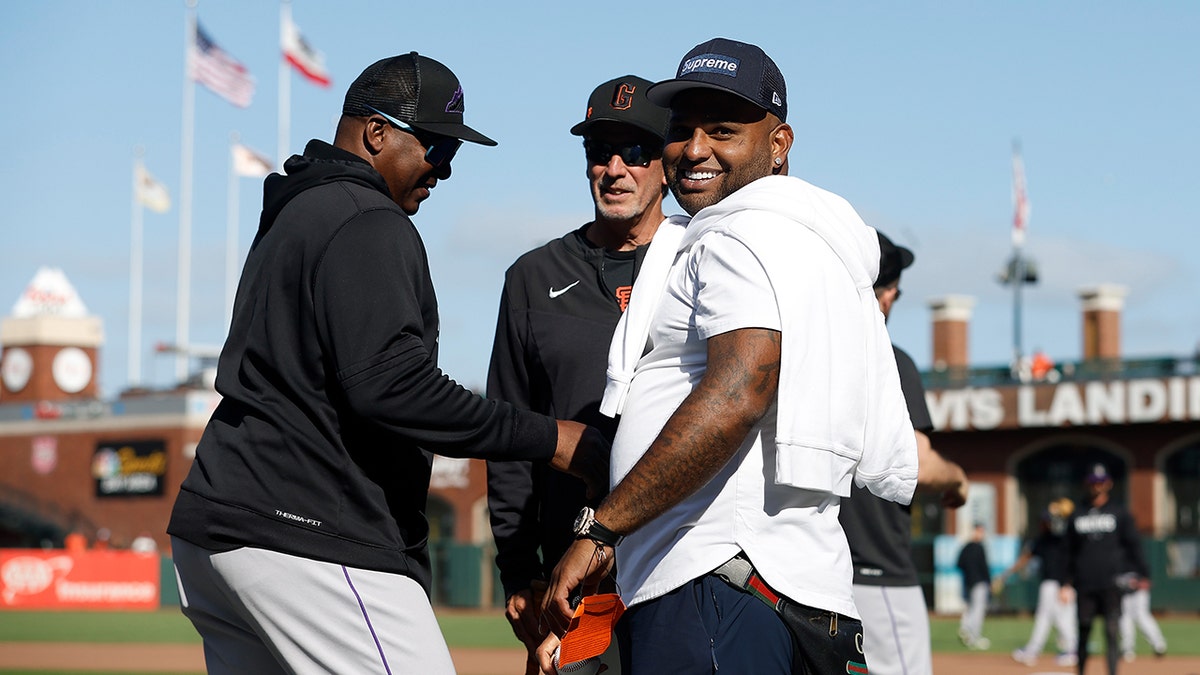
x: 260, y: 611
x: 1135, y: 610
x: 1051, y: 611
x: 971, y: 623
x: 895, y: 629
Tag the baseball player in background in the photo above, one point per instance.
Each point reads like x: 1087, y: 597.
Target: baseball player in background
x: 1103, y: 544
x: 887, y: 591
x: 1049, y: 547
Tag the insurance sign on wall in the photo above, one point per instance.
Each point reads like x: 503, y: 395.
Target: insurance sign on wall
x: 57, y: 579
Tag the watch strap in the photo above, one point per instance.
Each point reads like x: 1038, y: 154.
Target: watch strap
x: 601, y: 534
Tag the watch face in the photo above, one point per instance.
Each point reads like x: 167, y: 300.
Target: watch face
x: 72, y: 370
x: 16, y: 368
x: 583, y: 521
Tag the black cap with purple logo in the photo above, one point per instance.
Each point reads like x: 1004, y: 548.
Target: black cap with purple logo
x: 739, y: 68
x: 1098, y: 474
x: 416, y: 90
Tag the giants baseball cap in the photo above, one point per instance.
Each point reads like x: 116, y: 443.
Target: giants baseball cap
x: 416, y: 90
x: 624, y: 100
x: 892, y: 260
x: 728, y: 65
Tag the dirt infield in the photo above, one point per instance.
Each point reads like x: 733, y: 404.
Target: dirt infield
x: 142, y: 658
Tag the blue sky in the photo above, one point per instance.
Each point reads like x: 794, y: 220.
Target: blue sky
x: 908, y: 110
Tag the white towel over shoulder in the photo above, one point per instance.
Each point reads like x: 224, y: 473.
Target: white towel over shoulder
x: 629, y: 338
x: 841, y: 413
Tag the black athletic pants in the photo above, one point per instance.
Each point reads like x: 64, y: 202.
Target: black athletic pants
x: 1104, y: 602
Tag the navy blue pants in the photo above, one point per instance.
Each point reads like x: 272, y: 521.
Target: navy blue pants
x: 705, y: 626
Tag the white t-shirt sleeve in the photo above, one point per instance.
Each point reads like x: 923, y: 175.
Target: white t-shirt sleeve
x: 734, y: 290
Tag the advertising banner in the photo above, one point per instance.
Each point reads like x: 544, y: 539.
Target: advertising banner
x: 129, y: 468
x: 58, y: 579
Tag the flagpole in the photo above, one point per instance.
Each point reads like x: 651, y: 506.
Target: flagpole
x: 1018, y: 264
x: 182, y: 306
x: 135, y: 275
x: 285, y: 84
x: 231, y: 235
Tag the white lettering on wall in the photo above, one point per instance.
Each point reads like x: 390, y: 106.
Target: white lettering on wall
x: 1066, y: 407
x: 1027, y: 413
x: 1147, y: 400
x: 1105, y: 402
x: 1071, y: 403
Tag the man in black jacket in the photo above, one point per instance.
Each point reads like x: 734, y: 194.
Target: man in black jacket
x: 560, y: 305
x: 887, y: 591
x: 976, y: 584
x: 1103, y: 544
x: 299, y: 534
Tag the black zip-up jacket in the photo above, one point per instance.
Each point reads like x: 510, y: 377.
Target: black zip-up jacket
x: 332, y: 398
x: 1102, y: 543
x: 550, y: 354
x: 878, y: 530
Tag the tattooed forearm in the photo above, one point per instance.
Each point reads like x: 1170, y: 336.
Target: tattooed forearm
x: 710, y: 425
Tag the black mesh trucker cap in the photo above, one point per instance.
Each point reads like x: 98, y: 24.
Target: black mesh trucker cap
x: 893, y: 259
x: 624, y: 100
x: 416, y: 90
x: 728, y: 65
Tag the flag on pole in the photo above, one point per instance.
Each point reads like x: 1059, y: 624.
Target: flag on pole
x: 297, y: 51
x: 220, y: 72
x: 247, y: 162
x: 151, y: 193
x: 1020, y: 199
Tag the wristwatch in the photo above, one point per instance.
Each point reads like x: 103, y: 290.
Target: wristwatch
x: 586, y: 527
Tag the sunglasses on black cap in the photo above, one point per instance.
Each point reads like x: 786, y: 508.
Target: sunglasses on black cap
x: 439, y: 150
x: 636, y: 154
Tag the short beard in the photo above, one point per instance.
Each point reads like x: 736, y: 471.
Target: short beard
x: 733, y: 180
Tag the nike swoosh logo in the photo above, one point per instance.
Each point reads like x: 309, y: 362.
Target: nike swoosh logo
x: 555, y: 294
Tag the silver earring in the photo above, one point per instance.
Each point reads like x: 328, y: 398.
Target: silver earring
x: 778, y: 161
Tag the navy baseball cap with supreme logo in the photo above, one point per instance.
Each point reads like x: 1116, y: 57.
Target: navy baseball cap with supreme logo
x: 416, y: 90
x: 624, y: 100
x: 739, y: 68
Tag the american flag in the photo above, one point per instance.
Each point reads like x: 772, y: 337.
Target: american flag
x: 220, y: 72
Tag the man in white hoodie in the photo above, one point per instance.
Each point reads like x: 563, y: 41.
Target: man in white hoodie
x: 757, y: 384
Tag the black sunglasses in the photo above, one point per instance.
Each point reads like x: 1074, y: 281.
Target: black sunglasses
x: 439, y: 150
x: 598, y: 152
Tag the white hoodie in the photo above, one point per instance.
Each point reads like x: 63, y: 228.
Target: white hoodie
x: 839, y: 415
x: 856, y: 424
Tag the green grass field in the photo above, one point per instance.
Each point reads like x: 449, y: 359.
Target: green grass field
x: 477, y: 629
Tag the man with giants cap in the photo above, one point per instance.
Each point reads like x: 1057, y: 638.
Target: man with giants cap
x: 558, y: 309
x: 299, y: 534
x: 887, y: 591
x: 1103, y: 546
x: 756, y: 384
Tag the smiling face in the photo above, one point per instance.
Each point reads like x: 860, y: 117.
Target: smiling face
x: 718, y: 143
x: 623, y: 192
